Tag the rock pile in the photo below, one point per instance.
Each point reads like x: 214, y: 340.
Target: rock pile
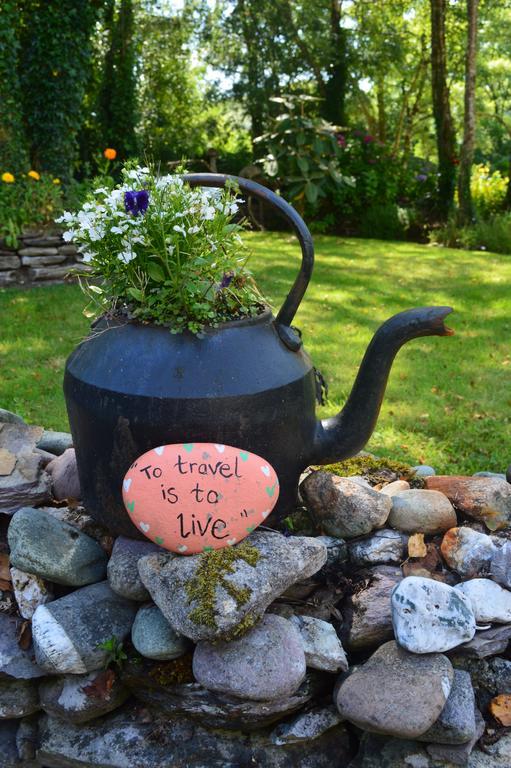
x: 39, y: 257
x: 374, y: 633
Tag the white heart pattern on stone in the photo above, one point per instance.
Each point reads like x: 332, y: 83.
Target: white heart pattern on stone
x: 220, y: 448
x: 266, y: 513
x: 182, y: 548
x: 126, y: 484
x: 231, y: 542
x: 144, y: 527
x: 265, y: 470
x: 159, y: 450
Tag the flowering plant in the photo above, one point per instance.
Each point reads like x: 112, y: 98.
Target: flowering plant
x: 164, y: 252
x: 27, y: 200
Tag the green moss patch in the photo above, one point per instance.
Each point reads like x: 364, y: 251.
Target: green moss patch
x: 375, y: 470
x: 211, y: 573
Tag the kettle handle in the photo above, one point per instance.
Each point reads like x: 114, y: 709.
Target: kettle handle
x: 295, y: 295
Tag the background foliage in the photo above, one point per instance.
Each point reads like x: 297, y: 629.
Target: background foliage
x: 174, y: 80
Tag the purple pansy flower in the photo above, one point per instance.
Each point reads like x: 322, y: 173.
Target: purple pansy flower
x: 226, y: 280
x: 136, y: 202
x: 421, y: 177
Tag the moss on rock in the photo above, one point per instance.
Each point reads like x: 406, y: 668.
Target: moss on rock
x: 375, y: 470
x: 211, y: 573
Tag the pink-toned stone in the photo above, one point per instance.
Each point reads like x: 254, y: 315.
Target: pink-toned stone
x: 193, y: 497
x: 64, y: 476
x: 487, y: 499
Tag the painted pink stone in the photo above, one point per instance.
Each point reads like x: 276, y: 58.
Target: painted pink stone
x: 192, y: 497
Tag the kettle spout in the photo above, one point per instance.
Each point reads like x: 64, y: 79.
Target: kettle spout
x: 344, y: 435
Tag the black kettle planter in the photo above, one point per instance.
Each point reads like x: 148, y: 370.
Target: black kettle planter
x: 130, y: 387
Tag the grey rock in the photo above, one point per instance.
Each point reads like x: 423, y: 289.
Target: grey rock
x: 64, y: 476
x: 498, y: 475
x: 151, y: 686
x: 68, y: 632
x: 48, y: 252
x: 396, y: 486
x: 420, y: 511
x: 337, y: 552
x: 423, y: 470
x: 429, y: 616
x: 322, y: 647
x: 267, y: 663
x: 385, y: 546
x: 381, y: 752
x: 496, y: 755
x: 343, y: 507
x: 490, y: 676
x: 458, y: 754
x: 68, y: 249
x: 282, y: 562
x: 367, y: 613
x: 9, y: 277
x: 18, y: 698
x: 306, y: 726
x: 79, y: 519
x: 81, y: 698
x: 489, y: 601
x: 154, y: 638
x: 490, y: 642
x: 456, y: 723
x: 14, y: 661
x: 8, y: 417
x: 30, y: 591
x: 122, y: 571
x: 9, y: 261
x: 500, y: 564
x: 120, y: 740
x: 467, y: 551
x: 43, y: 242
x: 43, y: 260
x: 54, y: 550
x: 27, y: 738
x: 9, y: 757
x: 395, y: 692
x: 55, y: 442
x: 27, y: 482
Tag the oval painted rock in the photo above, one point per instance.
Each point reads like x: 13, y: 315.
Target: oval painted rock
x: 193, y: 497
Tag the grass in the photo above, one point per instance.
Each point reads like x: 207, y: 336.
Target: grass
x: 448, y: 402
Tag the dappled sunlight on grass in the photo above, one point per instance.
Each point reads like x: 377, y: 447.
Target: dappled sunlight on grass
x: 448, y: 401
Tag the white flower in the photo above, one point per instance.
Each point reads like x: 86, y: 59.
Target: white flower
x: 127, y: 255
x: 66, y: 218
x: 118, y: 230
x: 178, y: 228
x: 193, y: 230
x: 87, y: 256
x: 208, y: 212
x: 69, y: 235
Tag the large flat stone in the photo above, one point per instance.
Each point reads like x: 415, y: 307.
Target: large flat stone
x: 486, y: 499
x: 68, y: 633
x: 282, y: 562
x: 395, y: 692
x: 54, y: 550
x: 121, y: 740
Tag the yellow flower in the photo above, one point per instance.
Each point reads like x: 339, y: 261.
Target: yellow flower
x: 56, y: 181
x: 34, y: 175
x: 7, y: 177
x: 110, y: 153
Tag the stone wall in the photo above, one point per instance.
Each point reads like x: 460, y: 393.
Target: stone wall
x: 39, y: 258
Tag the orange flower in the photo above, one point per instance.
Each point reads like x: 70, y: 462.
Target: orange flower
x: 110, y: 153
x: 34, y: 175
x: 7, y: 177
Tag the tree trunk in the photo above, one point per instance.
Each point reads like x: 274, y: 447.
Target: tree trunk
x: 255, y: 92
x: 466, y: 208
x: 336, y: 84
x: 445, y: 134
x: 382, y: 116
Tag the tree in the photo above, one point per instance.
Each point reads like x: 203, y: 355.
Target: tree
x: 117, y: 105
x: 54, y: 62
x: 466, y: 209
x: 445, y: 132
x: 13, y: 146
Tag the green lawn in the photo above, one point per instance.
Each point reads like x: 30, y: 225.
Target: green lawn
x: 449, y: 399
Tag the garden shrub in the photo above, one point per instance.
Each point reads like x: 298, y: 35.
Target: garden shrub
x: 488, y: 190
x: 384, y: 222
x: 27, y: 200
x: 493, y: 234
